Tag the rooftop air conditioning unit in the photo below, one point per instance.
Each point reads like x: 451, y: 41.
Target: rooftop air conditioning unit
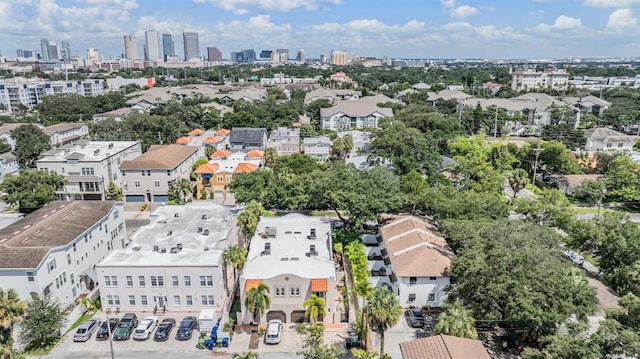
x: 205, y: 232
x: 155, y: 248
x: 163, y: 250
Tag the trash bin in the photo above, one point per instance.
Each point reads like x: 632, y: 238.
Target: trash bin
x: 201, y: 341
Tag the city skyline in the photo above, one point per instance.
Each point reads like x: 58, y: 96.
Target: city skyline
x: 408, y: 29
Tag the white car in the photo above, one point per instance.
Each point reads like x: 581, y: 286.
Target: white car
x: 145, y: 328
x: 274, y: 332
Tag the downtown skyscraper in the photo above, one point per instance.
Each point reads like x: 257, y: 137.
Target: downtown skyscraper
x: 167, y: 46
x: 130, y: 47
x: 153, y: 45
x: 191, y: 45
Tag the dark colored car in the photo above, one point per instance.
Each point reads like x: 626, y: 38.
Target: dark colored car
x: 353, y: 342
x: 126, y: 326
x: 415, y: 318
x: 164, y: 329
x: 103, y: 331
x: 187, y: 325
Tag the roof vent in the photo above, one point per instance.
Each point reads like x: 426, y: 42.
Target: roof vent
x: 312, y: 251
x: 169, y: 233
x: 270, y: 232
x: 97, y: 151
x: 110, y: 145
x: 174, y: 250
x: 204, y: 216
x: 199, y: 229
x: 312, y: 235
x: 155, y: 248
x: 163, y: 250
x: 179, y: 246
x: 205, y: 232
x: 267, y: 249
x: 176, y: 215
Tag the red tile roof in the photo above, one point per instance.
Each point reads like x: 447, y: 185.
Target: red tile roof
x: 222, y: 132
x: 220, y: 153
x: 196, y: 132
x: 207, y: 168
x: 211, y: 140
x: 443, y: 347
x: 251, y: 283
x: 183, y: 140
x: 255, y: 153
x: 319, y: 285
x: 245, y: 168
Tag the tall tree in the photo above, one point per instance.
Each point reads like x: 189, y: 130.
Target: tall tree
x: 257, y: 301
x: 313, y: 346
x: 384, y: 311
x: 270, y: 156
x: 623, y: 179
x: 11, y: 311
x: 315, y: 307
x: 42, y: 318
x: 31, y: 142
x: 30, y: 189
x: 249, y: 218
x: 518, y: 180
x: 456, y: 321
x: 235, y: 256
x: 180, y: 191
x: 113, y: 193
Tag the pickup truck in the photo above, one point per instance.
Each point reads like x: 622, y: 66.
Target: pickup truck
x: 126, y: 326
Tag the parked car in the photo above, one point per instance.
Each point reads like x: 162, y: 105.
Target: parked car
x: 352, y: 341
x: 164, y: 329
x: 187, y: 325
x: 145, y: 328
x: 86, y: 330
x: 128, y: 322
x: 106, y: 328
x: 574, y: 257
x: 415, y: 318
x: 274, y: 332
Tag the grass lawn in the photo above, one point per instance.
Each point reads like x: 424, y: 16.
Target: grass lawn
x: 34, y: 348
x: 80, y: 320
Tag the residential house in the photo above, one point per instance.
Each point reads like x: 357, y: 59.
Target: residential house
x: 5, y: 132
x: 54, y: 250
x: 174, y: 264
x: 117, y: 114
x: 589, y: 104
x: 214, y: 177
x: 8, y: 165
x: 349, y: 115
x: 606, y: 139
x: 292, y: 255
x: 318, y: 148
x: 569, y: 183
x: 147, y: 178
x: 250, y: 95
x: 88, y: 167
x: 332, y: 95
x: 66, y: 133
x: 286, y: 141
x: 434, y: 98
x: 245, y: 138
x: 413, y: 261
x: 443, y: 347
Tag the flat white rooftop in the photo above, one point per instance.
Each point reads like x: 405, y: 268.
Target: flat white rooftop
x: 290, y: 248
x: 201, y: 229
x: 89, y: 151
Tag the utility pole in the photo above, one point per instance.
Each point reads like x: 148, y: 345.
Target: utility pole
x: 459, y: 113
x: 535, y: 164
x: 159, y: 137
x: 110, y: 336
x: 495, y: 125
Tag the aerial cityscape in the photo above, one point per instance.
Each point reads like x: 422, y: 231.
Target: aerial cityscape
x: 320, y: 179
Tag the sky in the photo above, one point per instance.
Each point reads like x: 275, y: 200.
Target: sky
x: 394, y: 28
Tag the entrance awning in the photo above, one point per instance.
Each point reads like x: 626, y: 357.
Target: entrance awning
x: 319, y: 285
x: 251, y: 283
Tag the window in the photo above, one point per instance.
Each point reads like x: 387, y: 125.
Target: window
x: 229, y: 178
x: 142, y: 172
x: 413, y: 280
x: 432, y: 278
x: 74, y: 247
x: 129, y: 281
x: 136, y: 183
x: 620, y: 144
x: 116, y: 299
x: 279, y: 291
x: 157, y: 281
x: 110, y: 299
x: 207, y: 300
x: 30, y: 277
x: 176, y: 300
x: 52, y: 264
x: 412, y: 298
x: 141, y: 281
x: 143, y: 299
x: 132, y: 300
x: 608, y: 145
x: 168, y: 172
x: 206, y: 281
x: 220, y: 178
x: 110, y: 281
x: 116, y: 214
x: 160, y: 281
x: 189, y: 300
x: 148, y: 172
x: 294, y: 291
x: 124, y: 173
x: 187, y: 281
x: 71, y: 278
x: 432, y: 297
x: 156, y: 183
x: 68, y: 258
x: 174, y: 280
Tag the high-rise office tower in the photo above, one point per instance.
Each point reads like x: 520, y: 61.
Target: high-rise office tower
x: 191, y: 45
x: 93, y: 55
x: 130, y: 47
x: 167, y: 46
x: 339, y: 58
x: 44, y: 49
x: 154, y: 46
x: 213, y: 54
x: 26, y: 53
x: 301, y: 56
x: 283, y: 55
x: 323, y: 58
x: 65, y: 50
x: 54, y: 51
x: 266, y: 54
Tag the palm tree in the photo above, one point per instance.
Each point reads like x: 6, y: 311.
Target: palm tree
x: 258, y: 301
x: 315, y: 307
x: 457, y: 321
x: 270, y: 156
x: 181, y: 190
x: 236, y: 256
x: 384, y: 311
x: 11, y: 311
x: 518, y: 180
x: 88, y: 305
x: 363, y: 354
x: 249, y: 218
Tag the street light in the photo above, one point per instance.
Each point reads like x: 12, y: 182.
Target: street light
x: 110, y: 336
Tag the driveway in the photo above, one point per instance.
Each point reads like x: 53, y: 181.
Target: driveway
x: 400, y: 332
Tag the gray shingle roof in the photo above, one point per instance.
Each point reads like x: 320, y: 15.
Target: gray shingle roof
x: 247, y: 135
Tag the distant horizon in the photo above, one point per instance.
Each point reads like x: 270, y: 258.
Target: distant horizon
x: 445, y: 29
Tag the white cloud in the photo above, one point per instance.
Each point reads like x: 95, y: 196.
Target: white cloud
x: 612, y: 3
x: 281, y: 5
x: 562, y: 22
x: 463, y: 11
x: 370, y: 26
x: 448, y: 3
x: 621, y: 19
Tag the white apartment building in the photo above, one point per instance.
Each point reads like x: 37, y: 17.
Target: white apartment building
x: 286, y: 141
x: 55, y: 249
x: 293, y: 256
x: 147, y: 178
x: 530, y: 79
x: 88, y: 167
x: 173, y: 264
x: 411, y: 260
x: 66, y: 133
x: 28, y: 93
x: 351, y: 115
x: 318, y: 148
x: 8, y: 165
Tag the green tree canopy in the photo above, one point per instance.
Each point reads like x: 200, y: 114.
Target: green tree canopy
x: 43, y: 318
x: 31, y: 142
x: 113, y: 193
x: 383, y: 312
x: 457, y: 321
x: 31, y: 189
